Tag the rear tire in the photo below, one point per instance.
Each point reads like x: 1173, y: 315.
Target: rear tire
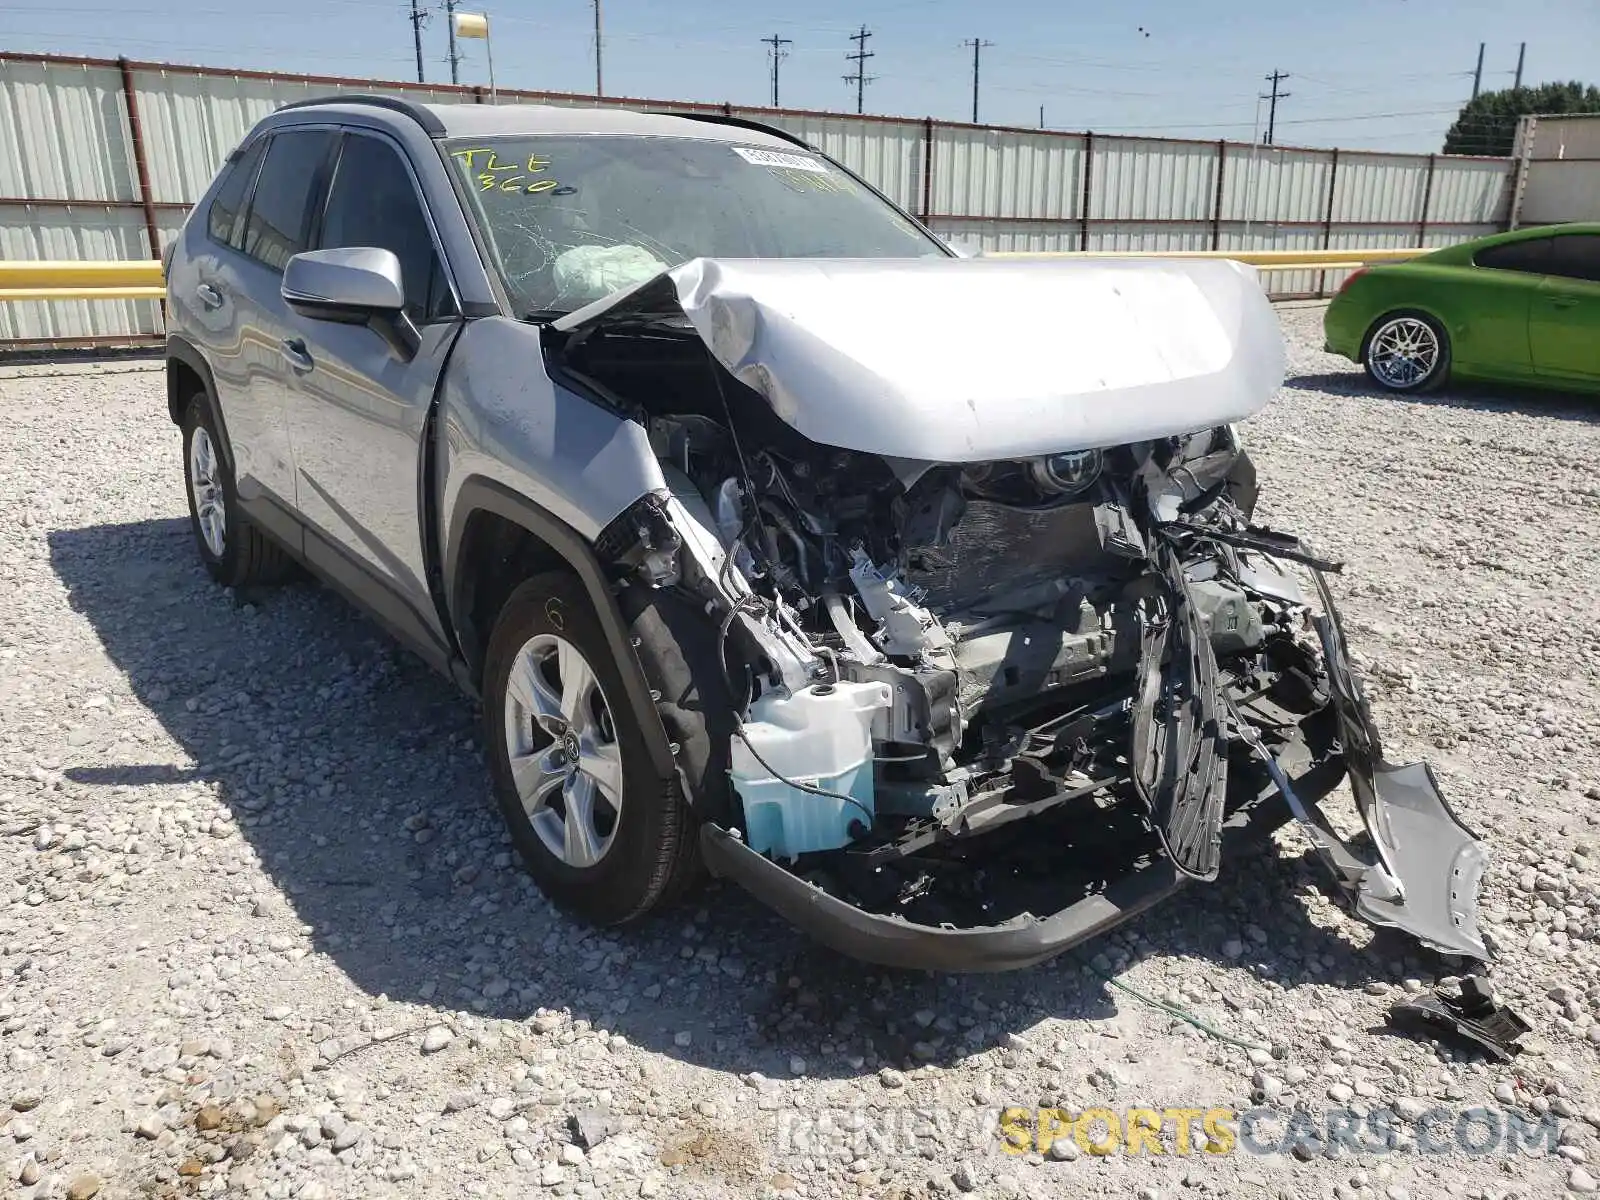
x: 234, y: 551
x: 601, y: 833
x: 1406, y: 352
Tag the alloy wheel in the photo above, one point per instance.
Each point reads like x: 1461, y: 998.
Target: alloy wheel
x: 1404, y: 352
x: 205, y: 488
x: 562, y: 747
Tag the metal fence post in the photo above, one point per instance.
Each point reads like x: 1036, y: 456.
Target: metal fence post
x: 1088, y: 184
x: 1427, y: 197
x: 927, y: 169
x: 1327, y: 220
x: 140, y: 167
x: 1216, y: 204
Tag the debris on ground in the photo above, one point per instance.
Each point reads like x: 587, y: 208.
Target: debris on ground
x: 1471, y: 1016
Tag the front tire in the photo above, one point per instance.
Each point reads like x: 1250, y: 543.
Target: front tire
x: 235, y: 552
x: 601, y: 833
x: 1406, y: 352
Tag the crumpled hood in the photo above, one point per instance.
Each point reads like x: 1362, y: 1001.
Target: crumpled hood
x: 973, y: 360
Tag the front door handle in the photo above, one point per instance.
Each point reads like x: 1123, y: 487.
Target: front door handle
x: 208, y: 296
x: 1564, y: 301
x: 294, y: 349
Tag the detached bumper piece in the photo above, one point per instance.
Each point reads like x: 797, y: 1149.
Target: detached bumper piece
x: 1430, y: 865
x: 1472, y: 1017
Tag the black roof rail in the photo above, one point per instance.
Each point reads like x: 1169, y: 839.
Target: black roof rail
x: 431, y: 125
x: 738, y: 123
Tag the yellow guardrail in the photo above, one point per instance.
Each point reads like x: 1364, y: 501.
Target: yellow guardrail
x: 83, y: 293
x: 1262, y: 260
x: 141, y: 280
x: 85, y: 280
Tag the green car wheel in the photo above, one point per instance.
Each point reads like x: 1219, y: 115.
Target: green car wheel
x: 1407, y: 352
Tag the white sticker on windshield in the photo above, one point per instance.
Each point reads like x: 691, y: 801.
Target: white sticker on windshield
x: 779, y: 158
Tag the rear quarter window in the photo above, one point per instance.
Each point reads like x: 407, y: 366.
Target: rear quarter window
x: 1531, y: 257
x: 222, y: 221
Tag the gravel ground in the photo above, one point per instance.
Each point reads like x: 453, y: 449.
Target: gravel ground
x: 260, y: 932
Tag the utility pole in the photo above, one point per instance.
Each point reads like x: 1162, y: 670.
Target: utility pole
x: 418, y: 16
x: 1274, y: 79
x: 599, y: 78
x: 1477, y: 75
x: 977, y: 45
x: 1522, y: 53
x: 1041, y: 116
x: 455, y: 55
x: 860, y: 78
x: 778, y: 54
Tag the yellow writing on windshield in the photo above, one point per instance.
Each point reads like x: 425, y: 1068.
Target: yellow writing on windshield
x: 494, y: 175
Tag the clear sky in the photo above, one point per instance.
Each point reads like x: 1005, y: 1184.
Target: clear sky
x: 1386, y: 74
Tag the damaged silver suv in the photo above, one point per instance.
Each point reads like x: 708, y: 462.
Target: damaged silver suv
x: 919, y: 596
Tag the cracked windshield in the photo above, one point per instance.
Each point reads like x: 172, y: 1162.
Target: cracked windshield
x: 573, y: 219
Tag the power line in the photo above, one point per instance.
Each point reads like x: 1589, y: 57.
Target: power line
x: 1275, y: 78
x: 978, y: 45
x: 777, y: 55
x: 860, y: 78
x: 418, y: 17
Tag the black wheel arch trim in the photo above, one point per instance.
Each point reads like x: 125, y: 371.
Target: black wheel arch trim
x: 485, y: 495
x: 181, y: 349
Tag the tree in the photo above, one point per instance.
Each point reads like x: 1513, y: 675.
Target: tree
x: 1488, y: 124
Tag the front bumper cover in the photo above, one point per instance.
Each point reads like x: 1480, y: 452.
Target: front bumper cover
x: 1021, y: 942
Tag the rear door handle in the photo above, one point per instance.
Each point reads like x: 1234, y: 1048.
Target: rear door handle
x: 294, y: 349
x: 1563, y: 301
x: 208, y: 296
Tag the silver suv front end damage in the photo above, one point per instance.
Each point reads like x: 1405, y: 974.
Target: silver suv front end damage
x: 978, y: 707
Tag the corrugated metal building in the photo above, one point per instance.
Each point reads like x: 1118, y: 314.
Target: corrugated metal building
x: 101, y: 159
x: 1557, y: 174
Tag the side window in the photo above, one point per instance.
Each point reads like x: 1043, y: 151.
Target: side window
x: 373, y: 202
x: 1576, y: 256
x: 280, y: 216
x: 1531, y: 257
x: 222, y: 222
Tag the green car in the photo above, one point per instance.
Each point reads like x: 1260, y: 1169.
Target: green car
x: 1519, y: 307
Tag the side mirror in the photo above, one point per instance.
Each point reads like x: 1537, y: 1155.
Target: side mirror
x: 353, y: 285
x: 350, y: 285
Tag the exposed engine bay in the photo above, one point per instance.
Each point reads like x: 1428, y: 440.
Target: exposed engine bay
x: 949, y: 680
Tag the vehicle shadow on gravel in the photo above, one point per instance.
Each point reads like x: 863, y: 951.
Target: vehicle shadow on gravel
x: 1564, y: 406
x: 353, y: 775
